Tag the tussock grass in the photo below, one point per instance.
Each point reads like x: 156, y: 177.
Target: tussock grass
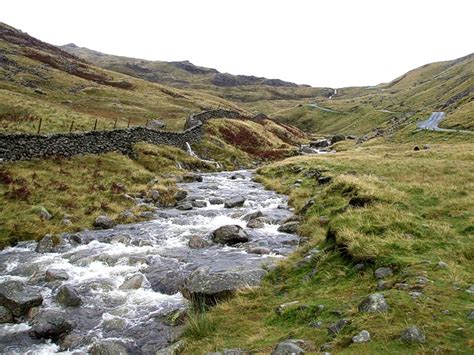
x: 420, y: 213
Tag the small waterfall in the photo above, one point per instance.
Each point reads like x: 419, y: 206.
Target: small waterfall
x: 191, y: 153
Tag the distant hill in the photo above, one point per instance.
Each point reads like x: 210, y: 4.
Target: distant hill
x: 245, y: 90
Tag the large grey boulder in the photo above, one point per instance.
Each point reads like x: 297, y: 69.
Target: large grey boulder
x: 18, y: 297
x: 289, y: 347
x: 236, y: 201
x: 374, y: 303
x: 209, y: 287
x: 413, y: 335
x: 68, y: 296
x: 104, y: 222
x: 51, y: 324
x: 230, y: 235
x: 216, y: 201
x: 320, y: 143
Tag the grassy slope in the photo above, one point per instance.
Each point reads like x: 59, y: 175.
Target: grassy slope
x: 419, y: 212
x: 41, y: 81
x: 83, y: 188
x: 444, y: 86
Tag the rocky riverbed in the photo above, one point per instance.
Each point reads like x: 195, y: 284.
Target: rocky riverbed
x: 124, y: 289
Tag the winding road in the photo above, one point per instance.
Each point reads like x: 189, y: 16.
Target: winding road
x: 432, y: 124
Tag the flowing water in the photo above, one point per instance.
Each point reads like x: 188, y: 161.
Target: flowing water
x: 97, y: 263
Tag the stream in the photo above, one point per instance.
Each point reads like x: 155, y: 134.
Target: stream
x: 155, y: 255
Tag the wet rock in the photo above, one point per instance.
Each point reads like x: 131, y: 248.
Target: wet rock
x: 337, y: 138
x: 362, y: 337
x: 216, y: 201
x: 324, y: 180
x: 290, y: 227
x: 197, y: 242
x: 173, y: 349
x: 413, y: 335
x: 113, y: 324
x: 180, y: 195
x: 374, y: 303
x: 230, y: 235
x: 192, y: 178
x: 133, y: 282
x: 237, y: 176
x: 289, y: 347
x: 320, y: 143
x: 259, y: 251
x: 252, y: 215
x: 104, y: 222
x: 337, y: 327
x: 6, y: 315
x: 184, y: 207
x: 236, y: 201
x: 209, y: 287
x: 113, y: 347
x: 68, y: 296
x: 51, y: 324
x: 49, y: 244
x: 199, y: 204
x: 258, y: 222
x: 383, y: 272
x: 154, y: 195
x: 166, y: 275
x: 18, y: 297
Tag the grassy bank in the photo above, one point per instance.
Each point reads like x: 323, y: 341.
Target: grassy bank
x: 386, y: 206
x: 81, y: 188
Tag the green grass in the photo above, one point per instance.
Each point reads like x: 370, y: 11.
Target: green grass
x: 84, y: 187
x: 417, y: 211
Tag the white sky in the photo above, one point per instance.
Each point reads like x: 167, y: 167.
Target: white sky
x: 322, y: 43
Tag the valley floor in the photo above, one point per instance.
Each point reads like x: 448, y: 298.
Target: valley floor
x: 386, y: 206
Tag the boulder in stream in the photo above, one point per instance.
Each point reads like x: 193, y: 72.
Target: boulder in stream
x: 289, y: 227
x: 18, y: 297
x: 236, y: 201
x: 51, y: 324
x: 68, y: 296
x: 230, y: 235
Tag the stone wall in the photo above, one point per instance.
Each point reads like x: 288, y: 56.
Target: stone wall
x: 30, y: 146
x: 23, y: 146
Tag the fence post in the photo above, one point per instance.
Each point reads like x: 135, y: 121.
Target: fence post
x: 39, y: 124
x: 115, y: 123
x: 95, y: 124
x: 72, y: 125
x: 128, y: 124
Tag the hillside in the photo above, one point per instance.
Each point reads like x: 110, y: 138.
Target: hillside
x: 38, y: 80
x: 443, y: 86
x: 251, y: 92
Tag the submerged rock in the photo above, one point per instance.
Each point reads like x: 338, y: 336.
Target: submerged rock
x: 197, y: 242
x: 230, y: 235
x: 18, y: 297
x: 133, y: 282
x: 56, y: 275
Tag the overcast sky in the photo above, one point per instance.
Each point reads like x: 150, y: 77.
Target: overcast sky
x: 322, y: 43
